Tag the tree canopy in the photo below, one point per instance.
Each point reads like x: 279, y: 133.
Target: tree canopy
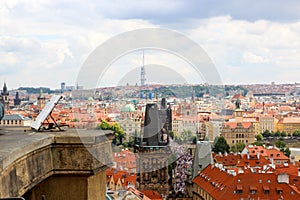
x: 220, y: 145
x: 238, y: 147
x: 283, y: 148
x: 118, y: 130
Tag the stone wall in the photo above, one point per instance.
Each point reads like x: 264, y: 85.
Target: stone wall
x: 60, y: 167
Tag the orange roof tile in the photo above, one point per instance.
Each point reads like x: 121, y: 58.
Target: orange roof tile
x: 220, y: 185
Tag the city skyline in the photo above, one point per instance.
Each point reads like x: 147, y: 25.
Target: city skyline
x: 45, y: 44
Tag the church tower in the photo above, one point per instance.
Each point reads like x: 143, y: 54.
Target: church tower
x: 41, y: 100
x: 152, y: 150
x: 5, y: 97
x: 238, y: 112
x: 17, y: 100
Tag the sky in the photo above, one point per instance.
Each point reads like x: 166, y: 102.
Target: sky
x: 44, y: 43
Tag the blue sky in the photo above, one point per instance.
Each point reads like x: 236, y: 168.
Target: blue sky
x: 45, y: 43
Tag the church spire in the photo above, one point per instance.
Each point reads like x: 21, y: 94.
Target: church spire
x: 5, y: 91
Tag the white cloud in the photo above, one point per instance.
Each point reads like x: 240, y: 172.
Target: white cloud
x: 249, y: 57
x: 53, y: 38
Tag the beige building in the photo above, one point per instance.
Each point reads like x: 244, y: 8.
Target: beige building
x: 15, y: 120
x: 130, y: 120
x: 267, y: 122
x: 289, y: 124
x: 238, y: 132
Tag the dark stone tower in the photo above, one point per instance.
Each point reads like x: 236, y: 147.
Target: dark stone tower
x: 17, y: 100
x: 5, y: 97
x: 152, y: 150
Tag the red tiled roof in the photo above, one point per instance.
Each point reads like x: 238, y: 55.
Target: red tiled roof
x: 276, y: 154
x: 253, y: 161
x: 238, y: 96
x: 153, y: 195
x: 291, y: 120
x: 138, y: 194
x: 228, y: 160
x: 235, y: 124
x: 219, y: 185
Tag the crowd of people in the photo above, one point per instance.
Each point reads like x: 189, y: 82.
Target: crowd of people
x: 183, y: 168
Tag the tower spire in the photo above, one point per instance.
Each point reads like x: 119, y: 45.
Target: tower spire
x: 143, y: 72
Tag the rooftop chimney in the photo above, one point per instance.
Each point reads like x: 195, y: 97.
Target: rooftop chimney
x: 293, y: 160
x: 283, y: 178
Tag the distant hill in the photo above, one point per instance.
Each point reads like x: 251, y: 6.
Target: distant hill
x: 32, y: 90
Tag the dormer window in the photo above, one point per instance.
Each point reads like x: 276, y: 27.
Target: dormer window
x: 266, y: 189
x: 253, y: 189
x: 279, y: 190
x: 239, y: 189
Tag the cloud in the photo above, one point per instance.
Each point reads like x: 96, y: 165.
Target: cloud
x: 45, y: 43
x: 252, y: 58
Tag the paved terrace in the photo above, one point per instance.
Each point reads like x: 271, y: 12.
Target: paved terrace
x: 64, y: 165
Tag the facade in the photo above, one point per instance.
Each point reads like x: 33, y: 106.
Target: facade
x: 289, y: 124
x: 126, y: 161
x: 117, y: 180
x: 214, y: 128
x: 152, y: 152
x: 267, y: 122
x: 238, y: 132
x: 15, y: 120
x: 130, y: 120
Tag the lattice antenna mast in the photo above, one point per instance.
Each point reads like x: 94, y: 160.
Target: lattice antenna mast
x: 143, y: 72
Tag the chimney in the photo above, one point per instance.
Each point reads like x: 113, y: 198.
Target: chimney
x: 293, y: 160
x: 258, y: 155
x: 248, y: 155
x: 283, y: 178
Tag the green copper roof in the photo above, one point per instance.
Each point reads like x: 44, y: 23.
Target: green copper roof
x: 128, y: 108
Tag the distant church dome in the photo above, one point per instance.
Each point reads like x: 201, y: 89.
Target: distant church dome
x: 128, y: 108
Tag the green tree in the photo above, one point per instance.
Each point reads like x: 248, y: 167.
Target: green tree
x: 187, y: 135
x: 171, y: 133
x: 104, y: 125
x: 118, y: 131
x: 194, y: 140
x: 277, y: 134
x: 257, y: 143
x: 238, y: 147
x: 296, y: 133
x: 282, y: 147
x: 220, y: 145
x: 283, y: 134
x: 259, y: 137
x: 266, y: 133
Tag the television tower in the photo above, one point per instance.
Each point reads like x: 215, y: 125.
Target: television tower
x: 143, y: 73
